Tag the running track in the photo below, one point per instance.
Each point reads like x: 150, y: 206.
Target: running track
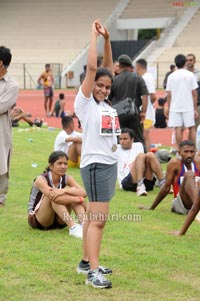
x: 32, y: 101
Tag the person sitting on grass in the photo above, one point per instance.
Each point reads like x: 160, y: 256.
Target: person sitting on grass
x: 54, y: 195
x: 18, y: 114
x: 137, y: 171
x: 184, y: 175
x: 69, y: 141
x: 59, y: 107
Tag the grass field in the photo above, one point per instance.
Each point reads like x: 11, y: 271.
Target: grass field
x: 147, y: 262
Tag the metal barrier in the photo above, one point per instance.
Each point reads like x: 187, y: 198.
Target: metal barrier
x: 27, y: 74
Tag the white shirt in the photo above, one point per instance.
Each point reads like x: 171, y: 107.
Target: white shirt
x: 149, y: 81
x: 96, y: 148
x: 181, y: 83
x: 125, y: 159
x: 60, y: 143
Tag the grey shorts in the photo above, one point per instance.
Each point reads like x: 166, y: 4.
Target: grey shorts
x: 99, y: 181
x: 178, y: 207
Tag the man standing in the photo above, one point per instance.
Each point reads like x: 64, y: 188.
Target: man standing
x: 182, y: 100
x: 184, y: 175
x: 141, y: 69
x: 46, y: 80
x: 190, y: 65
x: 8, y: 97
x: 172, y: 68
x: 128, y: 84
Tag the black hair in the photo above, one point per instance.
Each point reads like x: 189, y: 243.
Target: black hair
x: 54, y: 156
x: 47, y: 65
x: 142, y: 63
x: 180, y: 60
x: 103, y: 72
x: 187, y: 142
x: 5, y: 56
x: 128, y: 131
x: 66, y: 120
x: 61, y: 95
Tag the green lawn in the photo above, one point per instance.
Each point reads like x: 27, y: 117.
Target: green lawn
x: 147, y: 262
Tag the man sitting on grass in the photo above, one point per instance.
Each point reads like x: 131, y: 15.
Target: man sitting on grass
x: 59, y: 107
x: 184, y: 175
x: 137, y: 171
x: 18, y: 114
x: 69, y: 141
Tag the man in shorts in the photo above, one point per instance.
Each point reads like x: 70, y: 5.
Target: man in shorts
x: 141, y: 69
x: 184, y: 174
x: 136, y: 169
x: 46, y: 80
x: 182, y: 100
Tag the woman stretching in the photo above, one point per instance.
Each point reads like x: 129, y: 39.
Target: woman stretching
x: 98, y: 156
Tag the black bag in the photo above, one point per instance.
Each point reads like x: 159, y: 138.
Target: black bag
x: 126, y: 108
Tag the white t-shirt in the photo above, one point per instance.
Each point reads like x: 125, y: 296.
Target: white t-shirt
x: 149, y: 81
x: 60, y: 143
x: 126, y: 158
x: 96, y: 147
x: 181, y: 83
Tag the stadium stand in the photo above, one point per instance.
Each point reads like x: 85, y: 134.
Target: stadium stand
x: 48, y: 31
x: 186, y: 42
x: 150, y: 9
x: 57, y: 32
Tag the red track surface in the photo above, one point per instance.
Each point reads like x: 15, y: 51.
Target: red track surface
x: 32, y: 101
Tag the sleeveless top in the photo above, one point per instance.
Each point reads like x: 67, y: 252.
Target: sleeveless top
x: 36, y: 194
x: 160, y: 119
x: 176, y: 185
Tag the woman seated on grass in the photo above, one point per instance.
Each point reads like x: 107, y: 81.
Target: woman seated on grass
x: 54, y: 195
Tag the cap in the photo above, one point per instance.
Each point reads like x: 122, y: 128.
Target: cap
x: 125, y: 59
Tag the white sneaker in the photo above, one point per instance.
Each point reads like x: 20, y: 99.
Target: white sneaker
x: 76, y: 231
x: 96, y: 279
x: 141, y: 190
